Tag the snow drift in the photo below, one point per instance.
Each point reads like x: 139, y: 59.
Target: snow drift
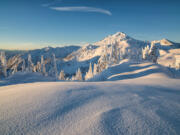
x: 144, y: 99
x: 147, y: 105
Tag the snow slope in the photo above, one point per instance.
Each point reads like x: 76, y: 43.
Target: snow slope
x: 25, y: 77
x: 128, y: 69
x: 168, y: 58
x: 144, y: 105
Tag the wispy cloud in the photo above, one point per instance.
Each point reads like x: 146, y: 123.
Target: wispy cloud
x: 51, y: 3
x: 82, y: 9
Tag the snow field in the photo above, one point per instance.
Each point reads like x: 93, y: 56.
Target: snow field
x: 133, y: 106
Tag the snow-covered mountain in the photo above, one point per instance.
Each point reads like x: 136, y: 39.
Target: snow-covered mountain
x: 128, y: 45
x: 14, y: 56
x: 169, y: 52
x: 71, y: 58
x: 60, y: 52
x: 120, y: 39
x: 137, y: 96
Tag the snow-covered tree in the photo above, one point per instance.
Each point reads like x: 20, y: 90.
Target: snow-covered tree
x: 3, y: 63
x: 23, y: 66
x: 153, y: 53
x: 119, y: 54
x: 53, y: 71
x: 114, y: 58
x: 34, y: 69
x: 30, y: 64
x: 103, y: 60
x: 95, y: 70
x: 135, y: 54
x: 123, y: 53
x: 61, y: 75
x: 145, y: 53
x: 14, y: 69
x: 78, y: 75
x: 139, y: 54
x: 38, y: 67
x: 43, y: 66
x: 89, y: 74
x: 17, y: 62
x: 150, y: 53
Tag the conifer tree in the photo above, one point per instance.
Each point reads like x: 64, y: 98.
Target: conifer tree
x: 53, y: 71
x: 43, y: 66
x: 15, y: 66
x: 14, y: 69
x: 4, y: 63
x: 145, y: 53
x: 89, y: 74
x: 30, y: 64
x: 23, y: 67
x: 38, y: 67
x: 103, y: 60
x: 78, y: 75
x: 61, y: 75
x: 95, y: 71
x: 153, y: 53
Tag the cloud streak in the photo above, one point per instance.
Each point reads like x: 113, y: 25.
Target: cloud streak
x: 82, y: 9
x: 51, y: 3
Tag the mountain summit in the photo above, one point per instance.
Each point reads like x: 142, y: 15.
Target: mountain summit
x: 111, y: 39
x: 165, y: 42
x: 120, y: 35
x: 121, y: 40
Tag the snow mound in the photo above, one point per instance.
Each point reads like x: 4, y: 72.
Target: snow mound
x: 25, y: 77
x: 143, y: 106
x: 129, y: 70
x: 168, y: 58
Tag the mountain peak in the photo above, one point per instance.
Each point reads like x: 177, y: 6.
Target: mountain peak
x: 121, y: 34
x: 165, y: 41
x: 112, y: 39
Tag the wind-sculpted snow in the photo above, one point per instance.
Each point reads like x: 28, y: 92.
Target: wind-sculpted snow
x: 130, y: 70
x: 147, y: 105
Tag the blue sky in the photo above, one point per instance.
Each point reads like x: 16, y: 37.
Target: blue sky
x: 28, y: 24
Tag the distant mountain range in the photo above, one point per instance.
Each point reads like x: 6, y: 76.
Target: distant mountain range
x: 70, y: 58
x: 123, y: 42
